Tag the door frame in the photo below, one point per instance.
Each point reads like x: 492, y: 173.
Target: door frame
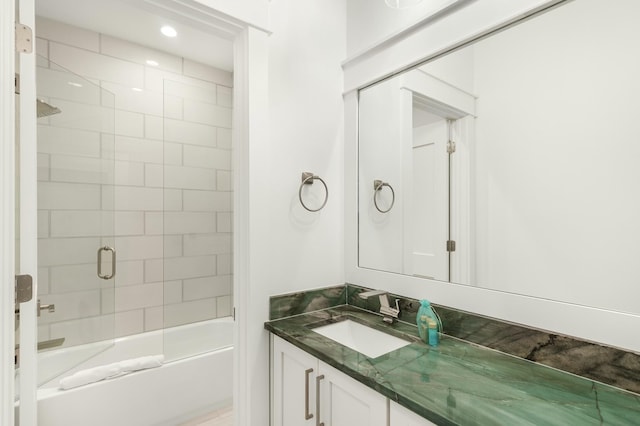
x: 7, y: 208
x: 249, y: 128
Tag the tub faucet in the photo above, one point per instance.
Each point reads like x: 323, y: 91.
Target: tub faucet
x: 389, y: 314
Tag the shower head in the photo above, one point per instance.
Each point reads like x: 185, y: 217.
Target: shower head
x: 45, y: 110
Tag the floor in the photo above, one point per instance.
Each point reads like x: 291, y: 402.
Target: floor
x: 221, y: 417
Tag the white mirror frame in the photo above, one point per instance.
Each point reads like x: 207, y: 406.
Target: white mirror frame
x: 434, y: 39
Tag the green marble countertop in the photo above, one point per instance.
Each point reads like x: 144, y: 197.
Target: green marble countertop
x: 459, y: 383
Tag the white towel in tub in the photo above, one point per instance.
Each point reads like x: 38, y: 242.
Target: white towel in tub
x: 109, y: 371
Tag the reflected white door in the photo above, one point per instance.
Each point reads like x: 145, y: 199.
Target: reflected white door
x: 429, y: 214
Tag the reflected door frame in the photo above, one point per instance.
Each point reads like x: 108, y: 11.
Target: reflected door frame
x: 459, y: 107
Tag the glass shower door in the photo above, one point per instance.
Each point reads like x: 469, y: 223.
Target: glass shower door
x: 197, y: 215
x: 76, y: 218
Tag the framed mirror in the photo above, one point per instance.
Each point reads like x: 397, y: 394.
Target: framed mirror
x: 512, y: 163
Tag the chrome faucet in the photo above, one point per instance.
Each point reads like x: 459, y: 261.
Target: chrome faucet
x: 389, y: 314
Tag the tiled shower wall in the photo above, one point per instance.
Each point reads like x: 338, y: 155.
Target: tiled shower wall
x: 172, y: 191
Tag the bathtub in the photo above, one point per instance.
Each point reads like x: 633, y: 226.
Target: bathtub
x: 183, y: 388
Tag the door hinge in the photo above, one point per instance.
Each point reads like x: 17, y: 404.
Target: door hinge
x: 24, y: 288
x: 16, y: 84
x: 451, y: 147
x: 24, y: 38
x: 451, y: 246
x: 233, y: 313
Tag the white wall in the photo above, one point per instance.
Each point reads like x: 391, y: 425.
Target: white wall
x: 290, y: 248
x: 302, y: 249
x: 171, y: 190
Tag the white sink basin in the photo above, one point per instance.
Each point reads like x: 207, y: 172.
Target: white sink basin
x: 366, y: 340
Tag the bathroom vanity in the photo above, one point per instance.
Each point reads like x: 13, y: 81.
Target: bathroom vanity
x: 328, y: 394
x: 327, y: 391
x: 316, y: 380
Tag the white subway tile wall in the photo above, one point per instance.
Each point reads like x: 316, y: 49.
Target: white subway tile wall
x: 166, y: 189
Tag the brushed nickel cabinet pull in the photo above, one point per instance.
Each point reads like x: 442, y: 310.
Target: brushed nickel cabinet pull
x: 307, y: 415
x: 318, y: 422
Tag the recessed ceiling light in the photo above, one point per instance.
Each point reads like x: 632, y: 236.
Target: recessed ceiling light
x: 74, y: 84
x: 152, y: 63
x: 136, y: 89
x: 168, y: 31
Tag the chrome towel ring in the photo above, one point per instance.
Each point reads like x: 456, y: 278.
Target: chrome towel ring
x: 307, y: 179
x: 377, y: 187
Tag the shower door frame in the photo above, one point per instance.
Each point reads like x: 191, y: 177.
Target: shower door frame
x: 249, y: 129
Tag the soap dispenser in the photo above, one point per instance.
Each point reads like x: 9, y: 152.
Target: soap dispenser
x: 429, y: 324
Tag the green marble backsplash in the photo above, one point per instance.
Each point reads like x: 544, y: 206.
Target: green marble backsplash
x: 604, y: 364
x: 287, y: 305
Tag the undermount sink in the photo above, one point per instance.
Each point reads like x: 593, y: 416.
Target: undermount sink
x: 366, y: 340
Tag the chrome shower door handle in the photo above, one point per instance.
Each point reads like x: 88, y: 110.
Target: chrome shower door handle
x: 307, y: 415
x: 113, y: 263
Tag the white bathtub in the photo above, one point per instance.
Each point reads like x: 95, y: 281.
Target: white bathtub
x: 168, y: 395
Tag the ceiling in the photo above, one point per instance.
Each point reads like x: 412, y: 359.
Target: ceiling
x: 139, y: 22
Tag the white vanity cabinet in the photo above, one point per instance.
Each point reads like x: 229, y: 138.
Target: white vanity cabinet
x: 301, y: 383
x: 347, y: 402
x: 293, y: 385
x: 400, y: 416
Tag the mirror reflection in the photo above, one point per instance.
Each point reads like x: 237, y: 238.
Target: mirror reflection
x: 514, y: 162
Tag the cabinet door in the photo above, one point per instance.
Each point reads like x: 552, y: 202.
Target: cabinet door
x: 400, y: 416
x: 293, y: 385
x: 346, y: 402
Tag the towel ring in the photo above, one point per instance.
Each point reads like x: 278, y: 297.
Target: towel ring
x: 307, y: 179
x: 377, y: 187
